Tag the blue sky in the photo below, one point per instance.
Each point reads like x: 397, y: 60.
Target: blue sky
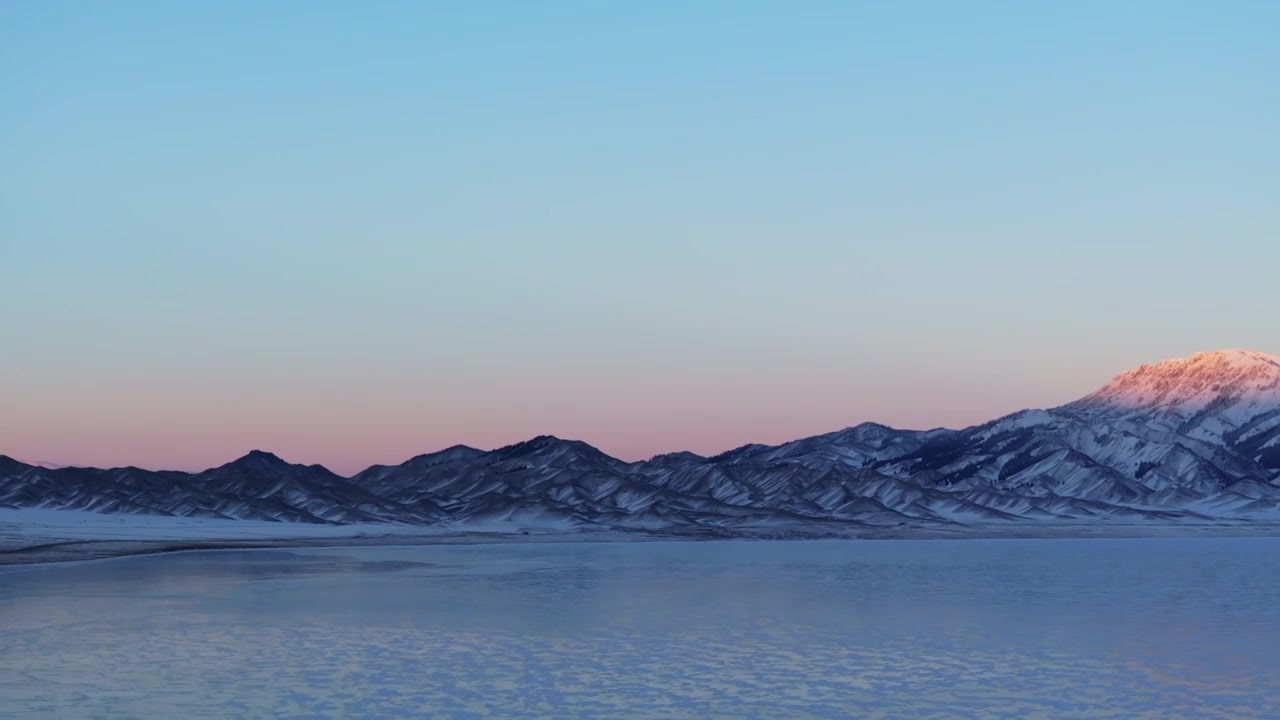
x: 350, y: 232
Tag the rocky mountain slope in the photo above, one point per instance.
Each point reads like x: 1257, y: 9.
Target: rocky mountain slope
x: 1187, y: 439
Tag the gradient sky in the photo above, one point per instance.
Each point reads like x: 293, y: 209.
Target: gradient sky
x: 351, y: 232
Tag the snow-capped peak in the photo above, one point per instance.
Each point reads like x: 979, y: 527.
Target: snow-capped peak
x: 1225, y: 379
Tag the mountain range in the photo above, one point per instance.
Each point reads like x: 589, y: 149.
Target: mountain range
x: 1183, y: 440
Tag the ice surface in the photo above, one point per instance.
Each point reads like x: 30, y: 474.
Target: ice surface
x: 1154, y: 628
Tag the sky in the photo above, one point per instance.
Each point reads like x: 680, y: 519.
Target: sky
x: 353, y: 232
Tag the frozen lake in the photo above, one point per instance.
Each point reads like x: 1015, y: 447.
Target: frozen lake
x: 1158, y: 628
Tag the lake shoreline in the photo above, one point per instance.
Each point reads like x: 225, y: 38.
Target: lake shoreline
x: 53, y: 550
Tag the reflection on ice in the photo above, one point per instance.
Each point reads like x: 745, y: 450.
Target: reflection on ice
x: 1048, y: 628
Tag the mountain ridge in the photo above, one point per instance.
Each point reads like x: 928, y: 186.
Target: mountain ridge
x: 1190, y: 438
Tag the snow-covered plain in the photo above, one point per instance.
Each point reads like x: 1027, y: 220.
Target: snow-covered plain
x: 39, y: 525
x: 32, y: 536
x: 39, y: 535
x: 1145, y: 628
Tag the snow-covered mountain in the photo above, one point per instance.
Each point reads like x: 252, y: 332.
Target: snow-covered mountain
x: 1185, y: 439
x: 1229, y: 398
x: 1234, y: 382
